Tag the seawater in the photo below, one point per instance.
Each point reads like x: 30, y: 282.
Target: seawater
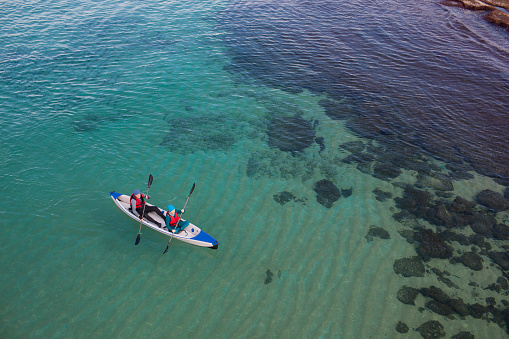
x: 98, y: 95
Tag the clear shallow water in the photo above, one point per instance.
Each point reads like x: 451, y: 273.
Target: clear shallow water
x: 97, y: 96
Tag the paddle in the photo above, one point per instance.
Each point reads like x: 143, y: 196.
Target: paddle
x: 150, y: 178
x: 167, y: 246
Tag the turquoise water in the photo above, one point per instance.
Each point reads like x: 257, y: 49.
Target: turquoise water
x: 97, y: 96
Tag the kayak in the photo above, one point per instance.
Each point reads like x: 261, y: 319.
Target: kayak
x: 192, y: 234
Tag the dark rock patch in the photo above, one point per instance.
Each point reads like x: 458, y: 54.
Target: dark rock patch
x: 500, y: 232
x: 382, y: 195
x: 290, y: 134
x: 379, y: 232
x: 493, y: 200
x: 408, y: 235
x: 268, y: 279
x: 284, y: 197
x: 477, y: 310
x: 431, y: 329
x: 503, y: 283
x: 336, y: 110
x: 326, y: 192
x: 436, y: 181
x: 463, y: 335
x: 319, y: 141
x: 451, y: 236
x: 459, y: 307
x: 471, y: 260
x: 346, y: 192
x: 407, y: 295
x: 442, y: 278
x: 354, y: 146
x: 401, y: 327
x: 500, y: 258
x: 439, y: 308
x: 409, y: 267
x: 435, y: 293
x: 386, y: 171
x: 432, y: 246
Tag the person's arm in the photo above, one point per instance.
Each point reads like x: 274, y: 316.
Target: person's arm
x: 133, y: 207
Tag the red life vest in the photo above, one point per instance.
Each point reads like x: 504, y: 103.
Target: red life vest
x: 139, y: 202
x: 173, y: 219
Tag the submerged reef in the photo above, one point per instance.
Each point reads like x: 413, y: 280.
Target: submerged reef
x: 290, y: 134
x: 205, y: 132
x: 285, y: 197
x: 378, y: 232
x: 326, y: 193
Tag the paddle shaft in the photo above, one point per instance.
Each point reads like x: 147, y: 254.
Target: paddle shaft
x: 171, y: 237
x: 150, y: 178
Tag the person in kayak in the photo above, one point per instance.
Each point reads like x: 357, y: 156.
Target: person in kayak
x: 173, y: 221
x: 137, y: 205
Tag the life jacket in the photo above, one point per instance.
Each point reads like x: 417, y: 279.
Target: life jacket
x: 173, y: 219
x: 139, y: 202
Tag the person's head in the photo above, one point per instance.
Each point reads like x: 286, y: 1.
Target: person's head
x: 171, y: 210
x: 137, y: 192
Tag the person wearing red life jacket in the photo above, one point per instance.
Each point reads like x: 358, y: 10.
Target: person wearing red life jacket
x: 173, y: 221
x: 138, y: 203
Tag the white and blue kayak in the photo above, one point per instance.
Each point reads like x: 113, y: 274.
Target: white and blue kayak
x: 192, y: 234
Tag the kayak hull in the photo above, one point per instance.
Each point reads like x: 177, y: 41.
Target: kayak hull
x: 192, y: 234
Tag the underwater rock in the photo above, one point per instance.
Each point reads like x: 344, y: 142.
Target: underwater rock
x: 378, y: 232
x: 409, y: 267
x: 386, y: 171
x: 450, y: 236
x: 503, y: 283
x: 382, y: 195
x: 463, y: 335
x: 413, y: 198
x: 346, y: 192
x: 436, y: 181
x: 431, y: 329
x: 477, y: 310
x: 458, y: 306
x: 493, y: 200
x: 335, y: 110
x: 500, y: 258
x: 432, y: 246
x: 358, y: 158
x: 461, y: 205
x: 407, y: 295
x: 401, y: 327
x: 435, y: 293
x: 283, y: 197
x: 438, y: 308
x: 354, y: 147
x: 500, y: 232
x: 442, y: 278
x: 290, y: 134
x: 268, y: 279
x: 326, y: 193
x: 319, y: 141
x: 408, y: 235
x: 471, y: 260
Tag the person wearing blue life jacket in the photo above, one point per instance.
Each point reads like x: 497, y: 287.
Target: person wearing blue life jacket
x: 173, y: 222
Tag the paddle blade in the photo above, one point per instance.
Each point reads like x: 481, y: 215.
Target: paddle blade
x: 166, y: 250
x: 192, y: 189
x: 150, y: 178
x: 137, y: 239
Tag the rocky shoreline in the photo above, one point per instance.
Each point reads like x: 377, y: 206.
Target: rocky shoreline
x: 495, y: 15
